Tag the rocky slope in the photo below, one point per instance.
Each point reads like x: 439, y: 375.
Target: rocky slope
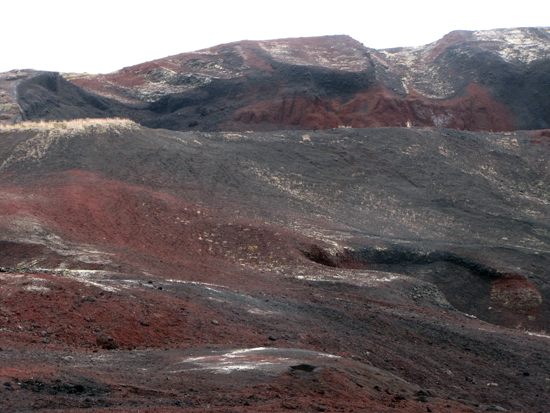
x: 494, y: 80
x: 238, y: 263
x: 373, y: 269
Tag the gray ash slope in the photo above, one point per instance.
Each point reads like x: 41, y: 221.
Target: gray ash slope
x: 381, y: 240
x: 458, y: 209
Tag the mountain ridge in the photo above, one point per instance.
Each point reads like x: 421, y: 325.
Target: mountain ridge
x: 492, y: 80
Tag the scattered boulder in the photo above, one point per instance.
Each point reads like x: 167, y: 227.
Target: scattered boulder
x: 106, y: 342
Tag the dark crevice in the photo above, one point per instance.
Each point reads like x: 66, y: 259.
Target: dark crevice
x: 466, y: 283
x: 320, y: 256
x: 399, y: 256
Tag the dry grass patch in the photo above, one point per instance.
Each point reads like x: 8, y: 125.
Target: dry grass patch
x: 72, y: 76
x: 72, y: 125
x: 46, y: 134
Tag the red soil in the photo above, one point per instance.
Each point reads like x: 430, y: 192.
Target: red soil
x: 87, y: 208
x: 477, y: 111
x: 518, y: 295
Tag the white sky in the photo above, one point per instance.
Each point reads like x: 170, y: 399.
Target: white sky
x: 101, y: 36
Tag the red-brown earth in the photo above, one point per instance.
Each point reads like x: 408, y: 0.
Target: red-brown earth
x: 476, y: 111
x: 373, y: 270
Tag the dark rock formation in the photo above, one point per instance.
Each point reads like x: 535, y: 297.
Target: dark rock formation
x: 35, y: 95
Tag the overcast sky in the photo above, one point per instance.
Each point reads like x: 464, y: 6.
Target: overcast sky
x: 101, y: 36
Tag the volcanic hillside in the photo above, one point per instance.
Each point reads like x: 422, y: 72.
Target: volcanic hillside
x: 301, y: 224
x: 383, y: 269
x: 495, y: 80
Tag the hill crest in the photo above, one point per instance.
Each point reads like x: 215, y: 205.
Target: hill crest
x: 491, y: 80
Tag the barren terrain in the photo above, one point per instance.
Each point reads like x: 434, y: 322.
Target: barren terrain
x: 296, y: 224
x: 384, y: 269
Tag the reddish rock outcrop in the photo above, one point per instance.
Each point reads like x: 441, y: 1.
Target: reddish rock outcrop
x: 476, y: 111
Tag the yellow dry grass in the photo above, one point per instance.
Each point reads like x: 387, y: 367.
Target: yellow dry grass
x: 71, y: 125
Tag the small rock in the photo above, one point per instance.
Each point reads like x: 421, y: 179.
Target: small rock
x: 143, y: 323
x: 272, y: 338
x: 290, y: 405
x: 304, y: 367
x: 215, y: 322
x: 106, y: 342
x: 422, y: 396
x: 492, y: 408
